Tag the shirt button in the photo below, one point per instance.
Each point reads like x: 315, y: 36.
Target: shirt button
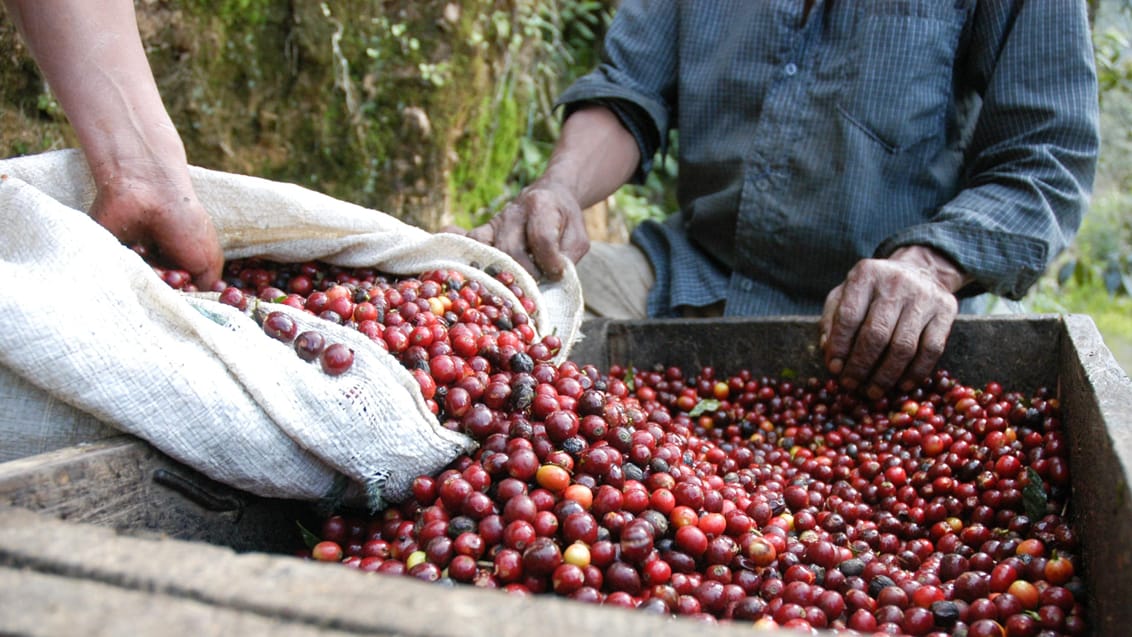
x: 791, y: 69
x: 762, y: 183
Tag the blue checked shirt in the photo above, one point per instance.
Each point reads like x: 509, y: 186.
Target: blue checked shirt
x: 807, y: 144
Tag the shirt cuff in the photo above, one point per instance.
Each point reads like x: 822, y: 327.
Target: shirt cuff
x: 1001, y: 263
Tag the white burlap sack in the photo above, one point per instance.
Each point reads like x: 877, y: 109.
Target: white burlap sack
x: 87, y: 324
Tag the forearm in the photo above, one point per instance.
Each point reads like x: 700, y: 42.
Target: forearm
x: 93, y: 59
x: 595, y: 155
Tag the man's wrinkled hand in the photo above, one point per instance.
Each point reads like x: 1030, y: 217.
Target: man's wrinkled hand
x: 889, y: 321
x: 540, y: 229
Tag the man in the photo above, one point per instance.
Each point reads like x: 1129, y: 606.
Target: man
x: 881, y: 163
x: 92, y: 57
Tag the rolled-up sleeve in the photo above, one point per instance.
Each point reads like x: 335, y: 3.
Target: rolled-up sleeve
x: 1032, y: 157
x: 637, y: 76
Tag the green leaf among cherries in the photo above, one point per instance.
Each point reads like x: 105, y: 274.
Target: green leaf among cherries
x: 309, y: 538
x: 706, y: 405
x: 1034, y: 497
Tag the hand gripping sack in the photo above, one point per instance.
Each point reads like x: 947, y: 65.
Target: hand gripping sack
x: 89, y: 329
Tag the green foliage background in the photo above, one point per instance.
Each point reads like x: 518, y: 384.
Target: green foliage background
x: 1094, y: 276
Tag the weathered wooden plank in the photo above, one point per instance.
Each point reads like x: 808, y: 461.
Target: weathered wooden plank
x: 125, y: 484
x: 292, y: 591
x: 38, y: 604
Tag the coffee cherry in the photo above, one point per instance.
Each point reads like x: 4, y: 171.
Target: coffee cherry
x: 280, y: 326
x: 327, y: 551
x: 235, y: 297
x: 336, y: 359
x: 309, y: 345
x: 542, y: 557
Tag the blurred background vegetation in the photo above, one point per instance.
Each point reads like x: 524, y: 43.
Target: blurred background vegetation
x: 438, y: 112
x: 1094, y: 276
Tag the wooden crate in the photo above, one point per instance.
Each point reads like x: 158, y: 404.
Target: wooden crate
x: 119, y: 538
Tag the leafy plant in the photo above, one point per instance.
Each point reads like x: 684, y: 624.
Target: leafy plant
x: 1101, y: 256
x: 1094, y: 276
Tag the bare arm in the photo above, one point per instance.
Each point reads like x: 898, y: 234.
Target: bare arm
x: 92, y: 57
x: 594, y: 157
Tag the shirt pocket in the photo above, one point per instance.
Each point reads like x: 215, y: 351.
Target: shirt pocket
x: 899, y: 82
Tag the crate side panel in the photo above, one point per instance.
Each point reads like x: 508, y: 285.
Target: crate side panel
x: 763, y: 346
x: 1096, y: 397
x: 592, y: 348
x: 1021, y: 351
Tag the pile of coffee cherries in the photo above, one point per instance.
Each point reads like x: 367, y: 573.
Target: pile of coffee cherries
x: 725, y: 497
